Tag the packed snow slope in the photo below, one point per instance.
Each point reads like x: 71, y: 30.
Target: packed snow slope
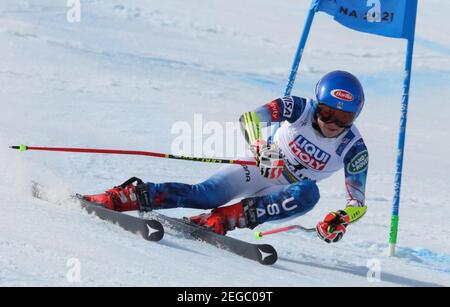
x: 125, y: 74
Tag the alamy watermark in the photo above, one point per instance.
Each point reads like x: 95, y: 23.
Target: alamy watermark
x: 209, y: 139
x: 74, y: 12
x: 73, y: 274
x: 374, y: 273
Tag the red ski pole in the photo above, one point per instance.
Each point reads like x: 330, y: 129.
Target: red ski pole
x: 22, y: 148
x: 260, y: 234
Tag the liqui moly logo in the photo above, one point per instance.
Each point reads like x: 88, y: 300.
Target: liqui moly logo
x: 309, y: 154
x: 342, y: 94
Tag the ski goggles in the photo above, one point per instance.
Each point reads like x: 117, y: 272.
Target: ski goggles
x: 340, y: 118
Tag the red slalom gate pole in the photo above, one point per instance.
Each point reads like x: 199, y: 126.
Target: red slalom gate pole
x: 22, y: 148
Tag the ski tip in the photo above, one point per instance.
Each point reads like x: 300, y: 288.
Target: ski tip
x: 268, y: 254
x: 155, y: 231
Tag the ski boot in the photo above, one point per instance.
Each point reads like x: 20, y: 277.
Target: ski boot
x: 125, y: 197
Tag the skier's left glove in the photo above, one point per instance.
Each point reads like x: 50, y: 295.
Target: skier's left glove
x: 333, y: 227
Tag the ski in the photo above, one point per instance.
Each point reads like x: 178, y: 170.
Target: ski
x: 262, y: 253
x: 148, y: 229
x: 152, y: 229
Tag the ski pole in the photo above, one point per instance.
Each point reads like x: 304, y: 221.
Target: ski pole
x: 260, y: 234
x: 22, y: 148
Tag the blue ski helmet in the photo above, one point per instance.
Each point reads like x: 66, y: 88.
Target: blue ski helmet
x: 340, y: 90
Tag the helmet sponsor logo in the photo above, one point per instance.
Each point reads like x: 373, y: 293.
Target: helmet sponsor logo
x: 342, y: 94
x: 274, y: 110
x: 359, y: 163
x: 309, y: 154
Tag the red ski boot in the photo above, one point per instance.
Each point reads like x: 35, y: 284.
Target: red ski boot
x: 126, y: 197
x: 223, y: 219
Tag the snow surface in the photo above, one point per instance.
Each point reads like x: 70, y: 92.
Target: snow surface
x: 124, y: 75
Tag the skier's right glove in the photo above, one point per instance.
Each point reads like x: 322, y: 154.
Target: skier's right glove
x: 256, y: 147
x: 268, y: 159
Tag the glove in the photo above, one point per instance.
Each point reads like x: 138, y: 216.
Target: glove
x: 256, y: 147
x: 333, y: 227
x: 268, y: 159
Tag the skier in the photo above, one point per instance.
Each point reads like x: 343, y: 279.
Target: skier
x: 316, y: 139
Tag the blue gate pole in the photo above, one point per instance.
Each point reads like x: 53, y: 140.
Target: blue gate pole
x: 298, y: 56
x: 400, y: 149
